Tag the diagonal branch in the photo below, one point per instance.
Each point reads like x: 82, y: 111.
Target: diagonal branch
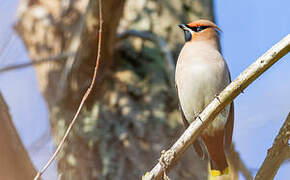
x: 277, y: 154
x: 238, y: 165
x: 38, y: 175
x: 34, y: 62
x: 171, y: 156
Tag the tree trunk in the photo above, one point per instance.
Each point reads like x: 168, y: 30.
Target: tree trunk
x: 15, y: 163
x: 132, y: 114
x: 51, y: 28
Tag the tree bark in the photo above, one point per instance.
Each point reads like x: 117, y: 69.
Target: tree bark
x: 57, y: 29
x: 132, y: 96
x: 277, y: 154
x: 15, y: 163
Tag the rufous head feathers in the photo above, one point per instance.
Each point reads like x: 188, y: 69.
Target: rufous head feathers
x: 199, y: 30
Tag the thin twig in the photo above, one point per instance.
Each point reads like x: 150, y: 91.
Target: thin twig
x: 215, y: 107
x: 8, y: 44
x: 277, y: 154
x: 57, y: 57
x: 59, y: 176
x: 83, y: 99
x: 238, y: 165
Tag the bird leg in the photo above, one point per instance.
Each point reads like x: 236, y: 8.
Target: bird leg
x: 166, y: 157
x: 196, y: 115
x: 216, y: 96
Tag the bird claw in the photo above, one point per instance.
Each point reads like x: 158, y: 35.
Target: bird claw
x: 217, y: 97
x: 197, y: 116
x: 165, y: 159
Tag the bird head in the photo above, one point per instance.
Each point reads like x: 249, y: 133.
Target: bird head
x: 199, y: 30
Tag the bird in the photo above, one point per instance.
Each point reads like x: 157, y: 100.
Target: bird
x: 201, y: 74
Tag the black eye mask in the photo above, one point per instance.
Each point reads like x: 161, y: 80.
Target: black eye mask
x: 197, y: 28
x: 187, y: 33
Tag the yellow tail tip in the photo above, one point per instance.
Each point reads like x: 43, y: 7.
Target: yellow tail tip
x: 216, y: 173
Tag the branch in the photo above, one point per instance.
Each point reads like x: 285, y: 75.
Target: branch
x: 15, y: 163
x: 160, y: 43
x: 277, y: 154
x: 57, y: 57
x: 37, y: 177
x: 171, y: 156
x: 238, y: 165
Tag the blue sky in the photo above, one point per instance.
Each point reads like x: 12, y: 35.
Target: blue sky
x: 249, y: 29
x: 20, y: 91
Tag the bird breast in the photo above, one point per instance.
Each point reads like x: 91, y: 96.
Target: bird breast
x: 199, y: 77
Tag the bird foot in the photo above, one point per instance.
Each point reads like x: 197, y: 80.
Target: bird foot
x: 217, y: 97
x: 165, y: 159
x: 197, y: 116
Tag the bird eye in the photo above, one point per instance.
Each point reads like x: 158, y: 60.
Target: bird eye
x: 198, y: 28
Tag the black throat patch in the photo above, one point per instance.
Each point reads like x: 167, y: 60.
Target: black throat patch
x: 187, y: 35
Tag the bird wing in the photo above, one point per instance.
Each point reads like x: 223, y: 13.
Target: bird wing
x: 229, y: 127
x: 196, y: 144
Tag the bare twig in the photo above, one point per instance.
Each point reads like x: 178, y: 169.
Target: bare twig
x: 57, y: 57
x: 8, y: 44
x: 238, y: 165
x: 59, y: 176
x: 161, y: 43
x: 83, y: 99
x: 225, y: 97
x: 277, y: 154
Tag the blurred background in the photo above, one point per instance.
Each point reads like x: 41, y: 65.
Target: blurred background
x: 132, y: 113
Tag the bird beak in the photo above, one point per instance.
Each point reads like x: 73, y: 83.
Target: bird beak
x: 182, y: 26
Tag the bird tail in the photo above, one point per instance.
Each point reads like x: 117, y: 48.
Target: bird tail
x: 214, y: 174
x: 215, y: 147
x: 219, y: 166
x: 217, y: 172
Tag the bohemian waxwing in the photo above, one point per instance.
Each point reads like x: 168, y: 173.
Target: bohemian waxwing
x: 201, y: 74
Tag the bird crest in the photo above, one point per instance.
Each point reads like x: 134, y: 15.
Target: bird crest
x: 203, y: 22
